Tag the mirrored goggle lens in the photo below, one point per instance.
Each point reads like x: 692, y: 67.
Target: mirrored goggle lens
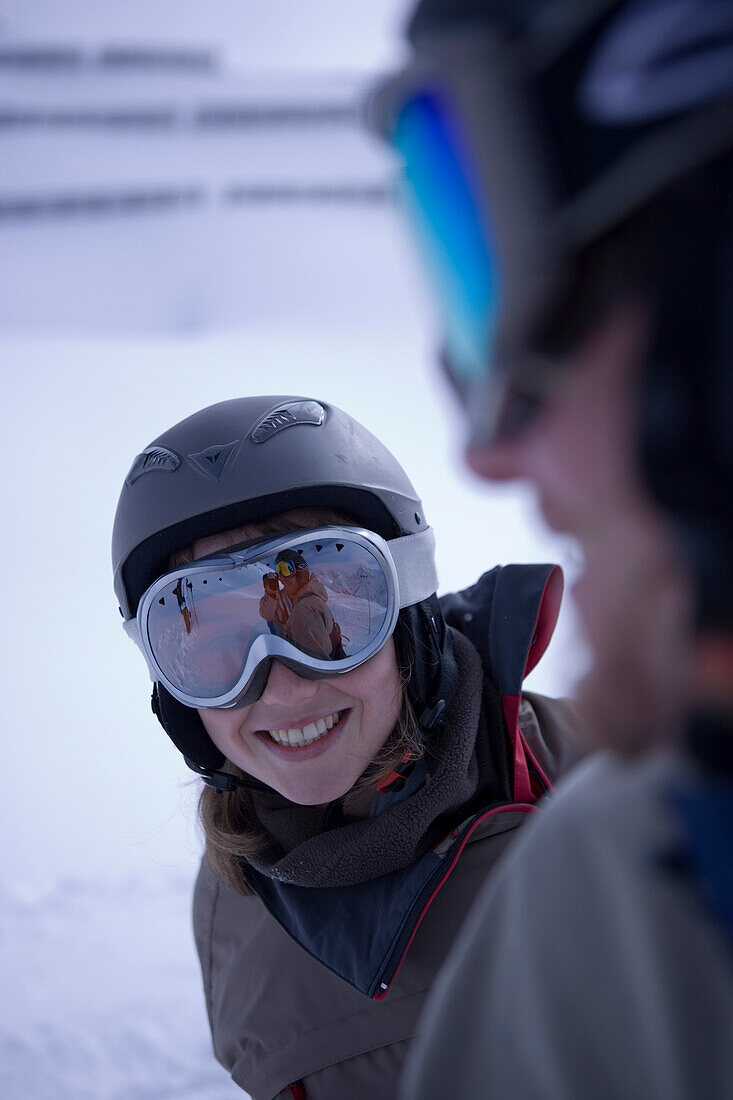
x: 441, y: 195
x: 285, y: 568
x: 202, y: 626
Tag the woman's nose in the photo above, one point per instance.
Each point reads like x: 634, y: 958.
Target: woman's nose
x: 285, y: 686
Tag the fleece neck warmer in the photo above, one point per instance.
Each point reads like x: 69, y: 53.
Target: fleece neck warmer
x: 314, y: 846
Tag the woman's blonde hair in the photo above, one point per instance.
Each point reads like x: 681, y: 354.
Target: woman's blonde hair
x: 231, y: 830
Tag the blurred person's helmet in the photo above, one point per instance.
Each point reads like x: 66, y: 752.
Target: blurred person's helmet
x: 532, y: 131
x: 245, y: 461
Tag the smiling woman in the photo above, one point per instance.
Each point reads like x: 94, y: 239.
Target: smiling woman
x: 365, y: 747
x: 296, y: 720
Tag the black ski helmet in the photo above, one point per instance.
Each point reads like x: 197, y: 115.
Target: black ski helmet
x: 246, y: 460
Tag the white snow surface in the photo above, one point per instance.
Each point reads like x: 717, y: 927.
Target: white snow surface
x: 99, y: 978
x: 111, y: 329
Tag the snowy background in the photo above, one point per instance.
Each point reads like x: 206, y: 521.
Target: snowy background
x: 189, y: 211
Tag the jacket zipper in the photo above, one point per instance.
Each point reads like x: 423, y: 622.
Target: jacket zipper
x: 424, y: 899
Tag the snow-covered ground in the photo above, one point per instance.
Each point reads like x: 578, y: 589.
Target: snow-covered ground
x: 113, y: 326
x: 99, y: 993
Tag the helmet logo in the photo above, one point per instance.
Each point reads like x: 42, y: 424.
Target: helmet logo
x: 287, y: 416
x: 213, y: 461
x: 153, y: 458
x: 658, y: 58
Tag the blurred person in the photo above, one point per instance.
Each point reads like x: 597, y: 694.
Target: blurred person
x: 568, y: 170
x: 357, y: 786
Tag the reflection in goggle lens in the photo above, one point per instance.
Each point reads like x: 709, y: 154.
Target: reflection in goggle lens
x: 202, y: 626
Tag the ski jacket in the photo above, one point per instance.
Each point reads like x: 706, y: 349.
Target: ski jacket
x: 314, y: 985
x: 306, y: 619
x: 592, y: 965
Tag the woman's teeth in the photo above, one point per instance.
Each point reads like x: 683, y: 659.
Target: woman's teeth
x: 308, y: 734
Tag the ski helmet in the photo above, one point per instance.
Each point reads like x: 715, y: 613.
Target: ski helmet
x: 532, y: 132
x: 246, y: 460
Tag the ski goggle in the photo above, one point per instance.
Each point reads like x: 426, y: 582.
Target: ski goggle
x: 476, y: 195
x: 209, y: 629
x: 286, y: 567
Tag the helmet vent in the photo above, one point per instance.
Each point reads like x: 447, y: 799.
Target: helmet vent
x: 213, y: 461
x: 287, y: 416
x: 153, y: 458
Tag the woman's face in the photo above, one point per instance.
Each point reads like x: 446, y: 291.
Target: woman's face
x: 353, y: 713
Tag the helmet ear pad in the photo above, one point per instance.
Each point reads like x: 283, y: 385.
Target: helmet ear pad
x: 186, y: 730
x: 425, y: 654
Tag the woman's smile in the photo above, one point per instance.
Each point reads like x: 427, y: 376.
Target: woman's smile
x: 299, y: 742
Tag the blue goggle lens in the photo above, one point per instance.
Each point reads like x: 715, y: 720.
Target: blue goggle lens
x: 440, y: 194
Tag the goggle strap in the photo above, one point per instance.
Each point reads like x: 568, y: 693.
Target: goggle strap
x: 414, y: 559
